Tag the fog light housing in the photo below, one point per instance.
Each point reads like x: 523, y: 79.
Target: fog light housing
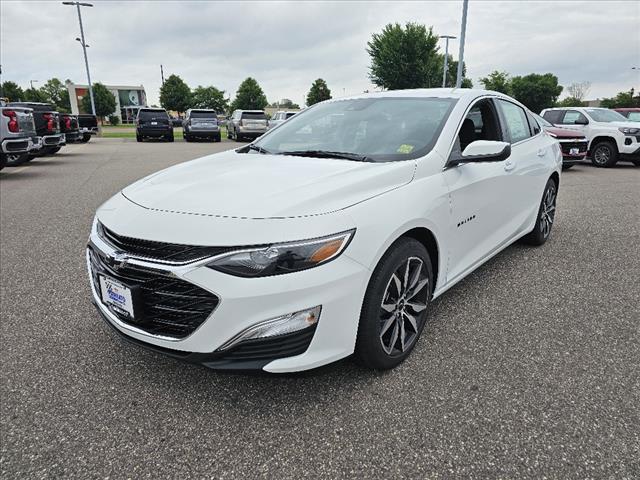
x: 290, y: 323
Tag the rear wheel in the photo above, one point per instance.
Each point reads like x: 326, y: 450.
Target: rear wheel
x: 186, y: 137
x: 604, y: 154
x: 566, y: 167
x: 394, y: 310
x: 170, y: 137
x: 636, y: 162
x: 16, y: 159
x: 86, y: 138
x: 546, y: 215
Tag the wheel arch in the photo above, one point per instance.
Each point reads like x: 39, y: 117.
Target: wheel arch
x: 603, y: 138
x: 427, y: 238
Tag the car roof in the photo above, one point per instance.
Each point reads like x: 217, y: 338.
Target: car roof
x: 467, y: 93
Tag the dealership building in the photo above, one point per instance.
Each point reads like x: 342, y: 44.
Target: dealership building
x: 129, y: 99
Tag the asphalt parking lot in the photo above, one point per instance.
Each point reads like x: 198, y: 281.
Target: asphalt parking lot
x: 528, y: 368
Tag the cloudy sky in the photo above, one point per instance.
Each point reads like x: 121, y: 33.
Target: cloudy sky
x: 286, y: 45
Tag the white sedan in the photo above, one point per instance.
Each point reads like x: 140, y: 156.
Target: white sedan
x: 326, y: 237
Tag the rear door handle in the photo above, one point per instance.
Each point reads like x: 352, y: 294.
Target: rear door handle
x: 509, y: 165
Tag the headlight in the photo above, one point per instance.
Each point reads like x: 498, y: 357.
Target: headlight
x: 629, y: 130
x: 282, y: 258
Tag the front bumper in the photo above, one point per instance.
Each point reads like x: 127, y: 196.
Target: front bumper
x: 251, y: 133
x: 203, y: 132
x: 337, y: 286
x: 578, y: 147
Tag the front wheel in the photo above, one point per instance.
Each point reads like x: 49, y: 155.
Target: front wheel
x: 604, y: 154
x: 394, y: 310
x: 546, y: 215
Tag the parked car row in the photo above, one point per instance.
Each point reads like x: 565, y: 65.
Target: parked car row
x: 31, y: 129
x: 200, y: 123
x: 611, y: 135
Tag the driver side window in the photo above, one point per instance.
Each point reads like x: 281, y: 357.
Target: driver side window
x: 481, y: 123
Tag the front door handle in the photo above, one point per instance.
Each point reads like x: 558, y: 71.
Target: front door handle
x: 509, y: 165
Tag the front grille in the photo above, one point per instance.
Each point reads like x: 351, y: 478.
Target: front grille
x: 567, y: 146
x: 169, y: 306
x: 166, y: 252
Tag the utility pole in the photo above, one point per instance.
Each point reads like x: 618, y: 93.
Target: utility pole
x: 463, y: 31
x: 31, y: 83
x: 162, y: 74
x: 446, y: 58
x: 84, y: 49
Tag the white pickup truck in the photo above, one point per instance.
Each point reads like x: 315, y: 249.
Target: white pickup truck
x: 17, y: 135
x: 612, y: 137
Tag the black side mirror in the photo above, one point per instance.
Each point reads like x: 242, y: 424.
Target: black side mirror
x: 483, y: 151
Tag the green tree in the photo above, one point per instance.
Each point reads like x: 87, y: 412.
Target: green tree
x: 175, y: 94
x: 285, y: 103
x: 249, y: 96
x: 536, y: 91
x: 104, y: 100
x: 435, y: 76
x: 570, y: 102
x: 497, y: 81
x: 12, y: 91
x: 56, y: 93
x: 622, y: 100
x: 34, y: 95
x: 404, y: 57
x: 209, y: 97
x: 319, y: 92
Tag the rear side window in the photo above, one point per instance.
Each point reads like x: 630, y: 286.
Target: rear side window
x: 149, y: 114
x: 634, y: 116
x: 552, y: 116
x: 516, y: 120
x: 289, y: 115
x: 570, y: 117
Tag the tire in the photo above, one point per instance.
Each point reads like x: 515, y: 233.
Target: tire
x: 546, y: 216
x: 186, y: 137
x: 217, y: 138
x: 86, y: 138
x: 566, y: 167
x: 379, y: 344
x: 52, y: 150
x: 636, y: 162
x: 16, y: 159
x: 604, y: 154
x: 138, y: 137
x: 3, y: 160
x: 170, y: 138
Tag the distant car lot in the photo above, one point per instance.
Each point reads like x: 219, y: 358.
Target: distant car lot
x: 522, y: 370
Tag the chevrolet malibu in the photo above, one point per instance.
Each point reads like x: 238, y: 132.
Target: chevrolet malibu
x: 328, y: 236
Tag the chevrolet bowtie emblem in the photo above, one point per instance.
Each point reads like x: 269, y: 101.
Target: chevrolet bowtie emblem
x: 118, y: 260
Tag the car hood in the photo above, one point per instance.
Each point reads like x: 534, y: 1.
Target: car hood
x: 628, y: 124
x: 231, y: 184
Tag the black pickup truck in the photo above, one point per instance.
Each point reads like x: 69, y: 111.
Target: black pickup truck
x: 69, y: 126
x: 47, y: 122
x: 88, y: 126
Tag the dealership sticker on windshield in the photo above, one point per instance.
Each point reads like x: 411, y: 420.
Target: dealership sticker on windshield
x: 404, y: 148
x: 116, y: 295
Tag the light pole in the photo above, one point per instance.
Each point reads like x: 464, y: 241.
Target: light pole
x: 463, y: 31
x: 31, y: 83
x: 84, y: 49
x: 446, y: 58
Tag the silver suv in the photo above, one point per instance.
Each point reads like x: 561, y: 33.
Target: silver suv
x: 17, y: 135
x: 280, y: 117
x: 246, y: 124
x: 200, y: 123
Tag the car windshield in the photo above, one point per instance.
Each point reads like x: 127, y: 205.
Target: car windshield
x: 542, y: 121
x: 378, y: 129
x: 604, y: 115
x: 634, y: 116
x: 203, y: 114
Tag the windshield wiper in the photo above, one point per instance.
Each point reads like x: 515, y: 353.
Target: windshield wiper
x: 258, y: 149
x: 328, y: 154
